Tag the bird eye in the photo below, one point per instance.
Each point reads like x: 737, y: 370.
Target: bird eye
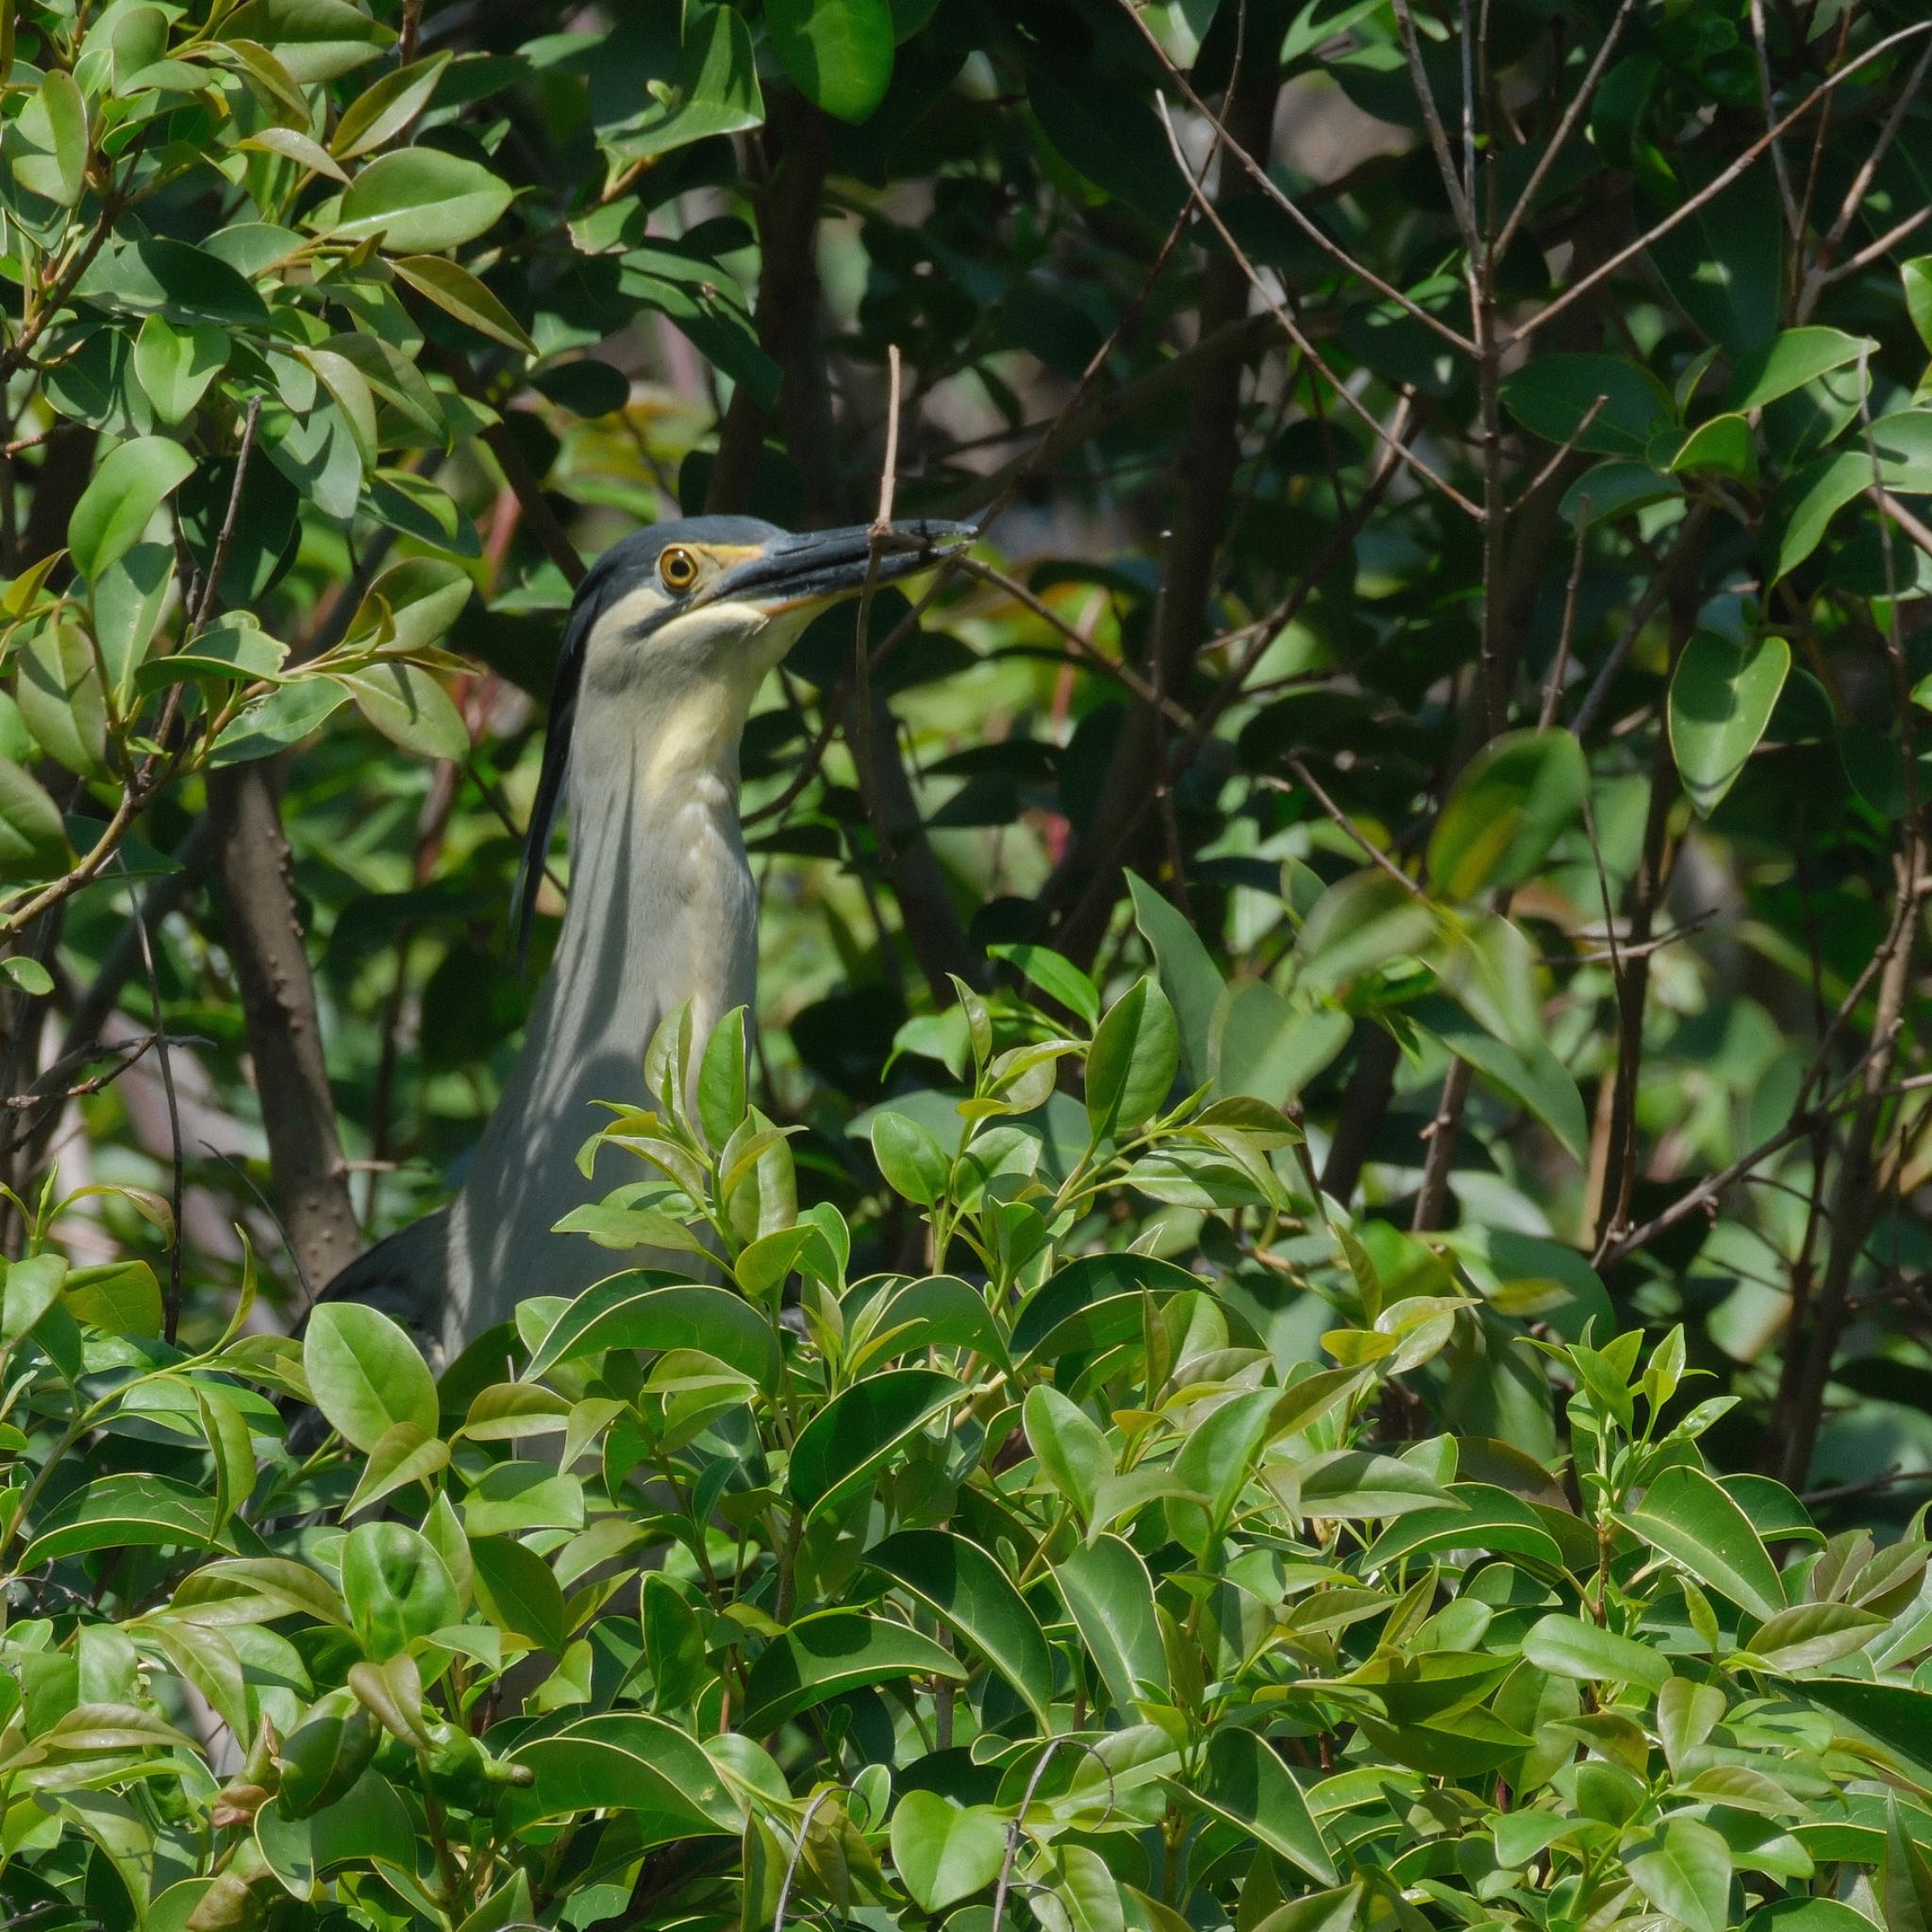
x: 678, y: 567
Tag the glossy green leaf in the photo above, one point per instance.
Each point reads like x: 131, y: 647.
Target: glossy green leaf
x: 1600, y: 402
x: 970, y: 1593
x: 826, y: 1656
x: 943, y: 1852
x: 419, y: 201
x: 175, y: 364
x: 1110, y: 1597
x: 133, y: 481
x: 1790, y: 360
x: 643, y: 1310
x: 1687, y: 1873
x: 1520, y: 794
x: 366, y: 1374
x: 129, y: 1508
x: 839, y: 51
x: 859, y: 1431
x: 396, y: 1586
x: 1721, y: 698
x: 1135, y: 1058
x: 457, y: 292
x: 1246, y: 1783
x: 626, y: 1761
x: 1687, y: 1517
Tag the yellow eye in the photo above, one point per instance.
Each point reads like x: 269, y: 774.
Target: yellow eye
x: 678, y: 569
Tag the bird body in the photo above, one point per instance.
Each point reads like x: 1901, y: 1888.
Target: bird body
x: 657, y: 679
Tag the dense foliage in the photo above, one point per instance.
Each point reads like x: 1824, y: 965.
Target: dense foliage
x: 1413, y: 1417
x: 1045, y: 1592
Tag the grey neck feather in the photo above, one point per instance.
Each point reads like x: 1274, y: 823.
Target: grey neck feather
x: 661, y: 910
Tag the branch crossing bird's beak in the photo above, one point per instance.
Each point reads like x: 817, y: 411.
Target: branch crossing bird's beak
x: 817, y: 566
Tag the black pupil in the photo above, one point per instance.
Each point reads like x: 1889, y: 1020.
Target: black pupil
x: 679, y: 567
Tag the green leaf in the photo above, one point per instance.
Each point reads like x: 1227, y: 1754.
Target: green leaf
x: 1518, y: 796
x: 1268, y: 1046
x: 1908, y: 1875
x: 174, y: 364
x: 1058, y: 977
x: 968, y: 1590
x: 518, y: 1590
x: 31, y: 1287
x: 407, y: 705
x: 1110, y: 1596
x: 404, y: 1453
x: 1808, y: 1635
x: 1553, y: 395
x: 1721, y: 698
x: 1532, y: 1076
x: 421, y: 201
x: 1788, y: 362
x: 626, y: 1761
x: 457, y: 292
x: 1135, y: 1056
x: 861, y: 1429
x: 713, y: 90
x: 49, y: 140
x: 1189, y: 976
x: 147, y: 1510
x: 643, y: 1310
x: 826, y: 1656
x: 1686, y: 1873
x: 1069, y: 1446
x: 1571, y: 1648
x: 395, y: 1584
x: 33, y: 837
x: 913, y: 1161
x: 384, y: 108
x: 29, y: 974
x: 943, y: 1852
x: 1484, y: 1518
x: 1895, y: 1717
x: 366, y: 1374
x: 1244, y: 1782
x: 314, y: 39
x: 61, y: 699
x: 1724, y: 444
x: 133, y: 481
x: 1917, y: 276
x: 839, y: 51
x: 1687, y: 1517
x: 1360, y: 924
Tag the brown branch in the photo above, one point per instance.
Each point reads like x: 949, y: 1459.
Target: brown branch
x: 1573, y: 114
x: 1713, y: 188
x: 1243, y: 155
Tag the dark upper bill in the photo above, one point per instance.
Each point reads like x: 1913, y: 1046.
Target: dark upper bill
x: 829, y: 563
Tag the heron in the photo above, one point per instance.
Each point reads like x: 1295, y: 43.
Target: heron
x: 668, y: 638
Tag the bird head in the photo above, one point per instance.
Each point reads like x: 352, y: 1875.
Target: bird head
x: 682, y: 621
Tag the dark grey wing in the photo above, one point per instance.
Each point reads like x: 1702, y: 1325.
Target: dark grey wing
x: 406, y: 1275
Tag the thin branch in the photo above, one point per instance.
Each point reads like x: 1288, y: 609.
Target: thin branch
x: 1573, y: 114
x: 1265, y: 181
x: 218, y: 559
x: 1874, y: 251
x: 1715, y: 186
x: 1374, y: 852
x: 177, y: 1187
x: 1438, y: 138
x: 1564, y: 451
x: 1295, y: 333
x: 1786, y: 194
x: 1553, y: 690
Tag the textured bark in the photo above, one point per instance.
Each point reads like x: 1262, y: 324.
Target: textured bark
x: 308, y: 1175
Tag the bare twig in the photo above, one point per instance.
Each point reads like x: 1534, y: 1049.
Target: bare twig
x: 177, y: 1183
x: 1552, y: 689
x: 1369, y: 849
x: 1564, y: 450
x: 1438, y: 138
x: 1266, y: 183
x: 1297, y: 335
x: 1692, y: 204
x: 1786, y: 194
x: 1573, y: 114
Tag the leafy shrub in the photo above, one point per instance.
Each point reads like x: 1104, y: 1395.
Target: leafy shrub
x: 1021, y: 1585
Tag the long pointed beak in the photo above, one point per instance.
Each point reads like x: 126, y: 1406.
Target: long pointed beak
x: 817, y: 566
